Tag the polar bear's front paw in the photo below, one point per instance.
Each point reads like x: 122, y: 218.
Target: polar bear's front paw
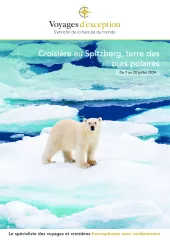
x: 92, y: 162
x: 85, y: 165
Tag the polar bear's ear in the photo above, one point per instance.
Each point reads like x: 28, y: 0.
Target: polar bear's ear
x: 84, y: 120
x: 100, y: 119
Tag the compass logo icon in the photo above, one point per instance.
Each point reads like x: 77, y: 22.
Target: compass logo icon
x: 84, y: 12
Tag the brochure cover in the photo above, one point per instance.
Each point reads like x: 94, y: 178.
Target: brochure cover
x: 84, y: 120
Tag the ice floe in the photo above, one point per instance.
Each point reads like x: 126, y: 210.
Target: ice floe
x: 155, y: 116
x: 36, y: 113
x: 47, y: 53
x: 126, y: 127
x: 26, y: 84
x: 19, y: 135
x: 10, y: 73
x: 73, y: 83
x: 122, y: 171
x: 32, y: 118
x: 129, y: 169
x: 7, y: 47
x: 138, y: 213
x: 138, y: 46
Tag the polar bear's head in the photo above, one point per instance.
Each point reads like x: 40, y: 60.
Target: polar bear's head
x: 93, y: 124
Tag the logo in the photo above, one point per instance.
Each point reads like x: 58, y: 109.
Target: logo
x: 83, y: 12
x: 93, y: 27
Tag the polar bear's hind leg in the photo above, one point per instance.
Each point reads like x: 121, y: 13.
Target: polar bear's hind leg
x: 49, y: 152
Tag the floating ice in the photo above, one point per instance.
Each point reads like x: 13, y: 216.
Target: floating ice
x: 25, y: 84
x: 32, y: 118
x: 122, y: 173
x: 4, y: 107
x: 10, y: 72
x: 28, y: 74
x: 7, y: 47
x: 124, y: 46
x: 19, y: 135
x: 44, y: 53
x: 156, y: 116
x: 79, y: 83
x: 5, y: 90
x: 36, y: 113
x: 73, y: 83
x: 139, y: 214
x: 131, y: 128
x: 140, y: 109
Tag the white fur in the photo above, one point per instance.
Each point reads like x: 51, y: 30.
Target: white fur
x: 68, y: 135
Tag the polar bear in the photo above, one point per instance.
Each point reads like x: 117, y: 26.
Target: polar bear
x: 68, y: 135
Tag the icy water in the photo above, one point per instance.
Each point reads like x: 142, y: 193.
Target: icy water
x: 108, y: 110
x: 128, y: 188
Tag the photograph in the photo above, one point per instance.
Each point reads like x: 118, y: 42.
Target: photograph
x: 84, y: 134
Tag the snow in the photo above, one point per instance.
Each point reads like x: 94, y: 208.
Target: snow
x: 120, y: 170
x: 1, y: 102
x: 30, y: 53
x: 155, y: 116
x: 36, y: 113
x: 129, y: 170
x: 46, y: 130
x: 29, y: 217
